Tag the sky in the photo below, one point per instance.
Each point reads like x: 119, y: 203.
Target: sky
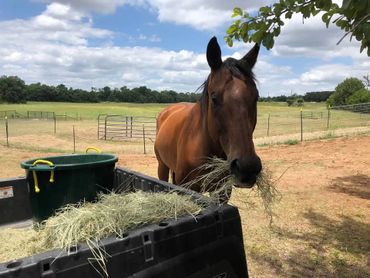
x: 161, y: 44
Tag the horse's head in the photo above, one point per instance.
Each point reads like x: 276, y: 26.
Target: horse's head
x: 230, y: 104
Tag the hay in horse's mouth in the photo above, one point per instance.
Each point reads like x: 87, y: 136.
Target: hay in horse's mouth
x: 215, y: 176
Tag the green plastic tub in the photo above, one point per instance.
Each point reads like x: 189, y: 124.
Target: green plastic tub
x: 59, y: 180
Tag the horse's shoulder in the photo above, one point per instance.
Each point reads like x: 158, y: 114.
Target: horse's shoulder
x: 175, y: 111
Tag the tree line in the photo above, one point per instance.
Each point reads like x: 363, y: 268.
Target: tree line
x: 318, y: 96
x: 14, y: 90
x: 350, y: 91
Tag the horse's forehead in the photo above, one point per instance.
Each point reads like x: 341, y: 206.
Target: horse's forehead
x: 224, y: 79
x: 220, y: 77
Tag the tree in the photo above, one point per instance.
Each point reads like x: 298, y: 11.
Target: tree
x: 366, y: 80
x: 317, y: 96
x: 344, y: 90
x: 353, y: 17
x: 361, y: 96
x: 12, y: 89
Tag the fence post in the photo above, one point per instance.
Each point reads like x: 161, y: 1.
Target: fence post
x: 131, y: 120
x: 55, y: 124
x: 328, y: 120
x: 268, y: 125
x: 74, y: 140
x: 301, y: 125
x: 126, y: 126
x: 98, y: 125
x: 144, y: 139
x: 7, y: 131
x: 105, y: 128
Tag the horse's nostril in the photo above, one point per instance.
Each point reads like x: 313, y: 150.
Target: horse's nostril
x: 246, y: 171
x: 235, y: 166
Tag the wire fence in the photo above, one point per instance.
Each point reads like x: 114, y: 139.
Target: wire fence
x: 137, y: 134
x: 13, y: 114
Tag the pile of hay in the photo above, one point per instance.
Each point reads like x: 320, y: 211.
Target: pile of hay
x: 113, y: 214
x: 216, y: 177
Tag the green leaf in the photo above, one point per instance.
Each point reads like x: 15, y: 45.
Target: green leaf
x: 229, y: 41
x: 244, y: 28
x: 276, y: 31
x: 268, y: 41
x: 277, y: 9
x: 320, y: 4
x: 232, y: 29
x: 265, y: 10
x: 328, y: 5
x: 315, y: 12
x: 288, y: 15
x: 257, y: 36
x: 326, y: 17
x: 237, y: 12
x: 341, y: 23
x: 246, y: 38
x: 306, y: 12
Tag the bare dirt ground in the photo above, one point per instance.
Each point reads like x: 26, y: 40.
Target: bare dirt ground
x: 322, y: 223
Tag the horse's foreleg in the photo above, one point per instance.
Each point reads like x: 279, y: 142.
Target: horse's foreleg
x: 163, y: 171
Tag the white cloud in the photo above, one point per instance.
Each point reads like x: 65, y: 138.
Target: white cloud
x: 51, y: 49
x: 54, y: 47
x: 313, y: 39
x: 100, y: 6
x: 201, y: 15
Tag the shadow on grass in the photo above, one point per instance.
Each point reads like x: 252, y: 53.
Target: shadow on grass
x: 356, y: 185
x: 331, y: 248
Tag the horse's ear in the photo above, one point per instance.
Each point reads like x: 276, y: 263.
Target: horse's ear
x: 214, y: 54
x: 251, y: 56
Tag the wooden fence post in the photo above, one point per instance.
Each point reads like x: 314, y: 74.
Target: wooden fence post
x: 126, y: 126
x: 144, y: 139
x: 131, y: 120
x: 7, y: 131
x: 328, y: 120
x: 301, y: 125
x: 105, y: 128
x: 55, y: 124
x: 74, y: 140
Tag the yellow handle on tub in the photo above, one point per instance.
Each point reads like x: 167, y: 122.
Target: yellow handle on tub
x: 41, y: 161
x: 93, y: 148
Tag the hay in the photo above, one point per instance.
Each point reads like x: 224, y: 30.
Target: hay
x: 216, y: 177
x: 16, y: 243
x: 114, y: 214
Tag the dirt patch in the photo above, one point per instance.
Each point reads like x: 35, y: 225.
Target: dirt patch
x: 322, y: 224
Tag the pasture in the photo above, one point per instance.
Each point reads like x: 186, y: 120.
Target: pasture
x: 322, y: 223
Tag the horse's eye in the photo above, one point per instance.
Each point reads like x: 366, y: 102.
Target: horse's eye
x: 215, y: 100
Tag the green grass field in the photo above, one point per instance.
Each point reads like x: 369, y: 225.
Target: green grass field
x: 274, y: 119
x: 88, y: 111
x: 92, y: 110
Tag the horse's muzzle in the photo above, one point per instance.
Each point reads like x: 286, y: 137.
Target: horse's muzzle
x: 246, y: 171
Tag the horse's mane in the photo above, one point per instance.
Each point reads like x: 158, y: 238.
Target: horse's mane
x: 238, y: 68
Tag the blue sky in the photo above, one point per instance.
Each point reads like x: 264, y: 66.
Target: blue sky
x: 161, y: 44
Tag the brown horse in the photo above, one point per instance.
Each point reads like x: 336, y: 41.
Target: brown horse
x: 220, y: 124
